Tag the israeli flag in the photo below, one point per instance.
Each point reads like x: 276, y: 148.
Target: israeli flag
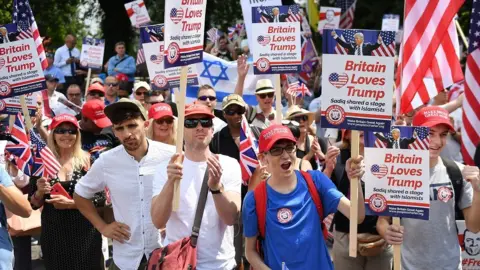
x: 222, y: 76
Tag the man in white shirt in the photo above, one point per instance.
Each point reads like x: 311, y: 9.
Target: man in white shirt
x: 215, y: 248
x: 55, y: 98
x: 206, y: 96
x: 66, y: 59
x: 127, y: 171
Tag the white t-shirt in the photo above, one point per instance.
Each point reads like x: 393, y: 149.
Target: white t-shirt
x: 215, y: 248
x: 57, y: 107
x: 218, y: 124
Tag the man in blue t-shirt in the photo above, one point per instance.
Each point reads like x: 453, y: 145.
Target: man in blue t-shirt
x: 293, y: 232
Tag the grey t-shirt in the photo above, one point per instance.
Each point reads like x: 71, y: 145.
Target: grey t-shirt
x: 433, y: 244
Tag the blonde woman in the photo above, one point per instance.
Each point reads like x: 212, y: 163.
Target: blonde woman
x: 68, y: 239
x: 163, y: 125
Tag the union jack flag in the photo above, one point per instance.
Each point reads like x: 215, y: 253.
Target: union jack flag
x: 248, y: 151
x: 45, y: 163
x: 20, y: 153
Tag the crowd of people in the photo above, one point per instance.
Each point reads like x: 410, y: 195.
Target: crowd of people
x: 115, y: 142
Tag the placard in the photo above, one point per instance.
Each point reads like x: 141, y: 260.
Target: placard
x: 12, y: 105
x: 329, y: 18
x: 397, y: 173
x: 185, y: 24
x: 20, y: 69
x: 391, y: 22
x: 92, y: 53
x: 247, y: 14
x: 137, y: 12
x: 470, y: 246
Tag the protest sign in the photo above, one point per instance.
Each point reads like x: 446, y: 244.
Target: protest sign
x: 470, y: 246
x: 161, y: 78
x: 247, y: 14
x: 92, y: 53
x: 20, y: 69
x: 185, y: 24
x: 391, y: 22
x: 356, y: 89
x: 329, y: 18
x: 137, y: 12
x: 12, y: 105
x: 277, y: 46
x: 397, y: 173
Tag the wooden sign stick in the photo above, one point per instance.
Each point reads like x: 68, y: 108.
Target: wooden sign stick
x: 87, y: 84
x: 355, y: 149
x: 278, y: 100
x: 26, y: 113
x: 181, y: 119
x: 397, y: 263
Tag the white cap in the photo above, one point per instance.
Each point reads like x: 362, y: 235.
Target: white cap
x: 140, y: 85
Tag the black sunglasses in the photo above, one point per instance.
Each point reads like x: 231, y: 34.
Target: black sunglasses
x: 160, y: 121
x: 277, y: 150
x: 269, y: 95
x: 65, y: 131
x: 112, y: 84
x: 141, y: 93
x: 204, y: 98
x: 299, y: 118
x: 193, y: 123
x: 95, y: 93
x: 233, y: 112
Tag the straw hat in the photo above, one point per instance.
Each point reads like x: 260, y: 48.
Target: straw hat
x: 295, y: 111
x: 264, y: 86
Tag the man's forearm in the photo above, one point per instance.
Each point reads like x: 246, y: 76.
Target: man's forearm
x: 88, y: 210
x: 382, y: 225
x: 227, y: 205
x: 14, y: 201
x: 473, y: 219
x: 162, y: 205
x: 255, y: 260
x: 240, y: 85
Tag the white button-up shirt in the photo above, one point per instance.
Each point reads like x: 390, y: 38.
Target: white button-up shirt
x: 130, y: 184
x: 60, y: 60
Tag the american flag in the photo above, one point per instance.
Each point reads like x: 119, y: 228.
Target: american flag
x: 152, y: 33
x: 294, y: 14
x: 348, y: 12
x: 456, y: 90
x: 23, y: 17
x: 266, y: 10
x: 471, y: 102
x: 156, y: 59
x: 45, y: 164
x: 379, y: 144
x: 176, y: 15
x: 379, y: 171
x: 20, y: 153
x: 387, y: 48
x: 422, y: 142
x: 338, y: 80
x: 213, y: 34
x: 429, y: 54
x: 348, y: 37
x: 248, y: 151
x: 263, y: 40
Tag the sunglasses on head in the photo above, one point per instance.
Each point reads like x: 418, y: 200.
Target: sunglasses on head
x: 193, y: 123
x: 269, y: 95
x: 95, y: 93
x: 65, y: 131
x: 204, y: 98
x: 299, y: 118
x: 161, y: 121
x: 112, y: 84
x: 277, y: 150
x: 233, y: 112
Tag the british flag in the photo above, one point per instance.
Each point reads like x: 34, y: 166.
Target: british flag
x: 248, y: 151
x: 45, y: 163
x: 20, y: 153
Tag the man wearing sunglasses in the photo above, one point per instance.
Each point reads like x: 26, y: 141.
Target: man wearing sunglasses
x: 141, y: 90
x: 111, y: 88
x: 215, y: 244
x: 96, y: 91
x: 206, y: 96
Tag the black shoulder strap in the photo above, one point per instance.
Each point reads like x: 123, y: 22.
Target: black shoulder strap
x: 121, y: 60
x: 202, y: 200
x: 251, y: 113
x: 456, y: 178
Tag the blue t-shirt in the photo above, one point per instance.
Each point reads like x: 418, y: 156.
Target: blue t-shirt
x: 6, y: 247
x: 293, y: 231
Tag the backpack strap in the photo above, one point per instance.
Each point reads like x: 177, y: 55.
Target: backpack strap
x: 260, y: 195
x: 456, y: 178
x: 316, y: 199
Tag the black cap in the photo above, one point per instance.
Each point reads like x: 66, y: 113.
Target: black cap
x: 50, y: 77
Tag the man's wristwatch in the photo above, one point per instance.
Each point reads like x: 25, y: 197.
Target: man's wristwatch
x: 219, y: 191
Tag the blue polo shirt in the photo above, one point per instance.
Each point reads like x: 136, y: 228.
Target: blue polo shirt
x: 126, y: 66
x: 6, y: 247
x: 293, y: 231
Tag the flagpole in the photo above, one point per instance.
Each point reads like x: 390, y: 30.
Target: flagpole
x: 462, y: 35
x: 278, y: 99
x: 355, y: 151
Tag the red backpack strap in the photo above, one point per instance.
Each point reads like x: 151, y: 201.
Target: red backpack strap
x: 316, y: 199
x: 260, y: 195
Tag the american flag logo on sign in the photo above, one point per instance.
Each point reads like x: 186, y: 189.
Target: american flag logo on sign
x: 176, y: 15
x: 379, y: 170
x: 156, y: 59
x: 263, y: 40
x: 338, y: 80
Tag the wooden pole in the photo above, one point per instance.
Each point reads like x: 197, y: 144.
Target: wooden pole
x: 397, y: 263
x: 11, y: 122
x: 180, y: 100
x: 462, y: 35
x: 26, y: 113
x: 278, y: 100
x: 87, y: 84
x: 355, y: 150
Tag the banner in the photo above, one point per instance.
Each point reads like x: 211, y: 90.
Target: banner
x: 397, y: 173
x: 92, y: 53
x: 329, y: 18
x: 20, y: 69
x: 391, y: 22
x: 185, y: 24
x: 12, y: 105
x: 470, y: 245
x: 356, y: 89
x: 137, y: 12
x: 277, y: 46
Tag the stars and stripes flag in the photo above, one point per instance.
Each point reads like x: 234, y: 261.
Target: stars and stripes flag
x: 45, y: 163
x: 456, y: 90
x: 422, y: 142
x: 338, y: 80
x: 248, y: 151
x: 387, y: 48
x: 348, y: 12
x: 20, y: 153
x: 379, y: 171
x: 263, y: 40
x: 379, y: 143
x: 266, y: 10
x: 213, y: 34
x: 471, y: 102
x: 428, y: 60
x: 23, y: 17
x: 294, y: 14
x: 152, y: 33
x: 140, y: 55
x: 176, y: 15
x: 346, y: 36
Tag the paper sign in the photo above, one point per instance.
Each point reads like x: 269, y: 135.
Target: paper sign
x: 390, y: 22
x: 137, y: 12
x: 397, y: 173
x: 92, y: 53
x: 20, y: 69
x: 185, y: 24
x: 329, y: 18
x: 247, y: 14
x: 470, y: 246
x: 12, y: 105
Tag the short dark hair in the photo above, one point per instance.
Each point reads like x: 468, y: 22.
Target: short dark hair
x: 119, y: 43
x: 204, y: 87
x: 73, y: 85
x: 294, y: 129
x: 125, y: 86
x: 125, y: 114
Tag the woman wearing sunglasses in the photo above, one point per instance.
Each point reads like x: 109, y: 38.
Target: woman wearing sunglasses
x: 294, y: 126
x: 163, y: 125
x: 68, y: 239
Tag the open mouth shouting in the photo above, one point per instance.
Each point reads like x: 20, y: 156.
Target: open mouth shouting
x: 286, y: 165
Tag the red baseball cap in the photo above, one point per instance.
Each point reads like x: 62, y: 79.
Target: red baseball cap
x: 160, y: 110
x: 96, y: 87
x: 195, y: 109
x: 93, y: 110
x: 431, y: 116
x: 63, y: 118
x: 122, y: 77
x: 273, y: 134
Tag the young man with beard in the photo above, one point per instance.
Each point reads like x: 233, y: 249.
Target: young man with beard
x: 436, y: 239
x: 127, y: 171
x: 293, y: 231
x: 215, y: 243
